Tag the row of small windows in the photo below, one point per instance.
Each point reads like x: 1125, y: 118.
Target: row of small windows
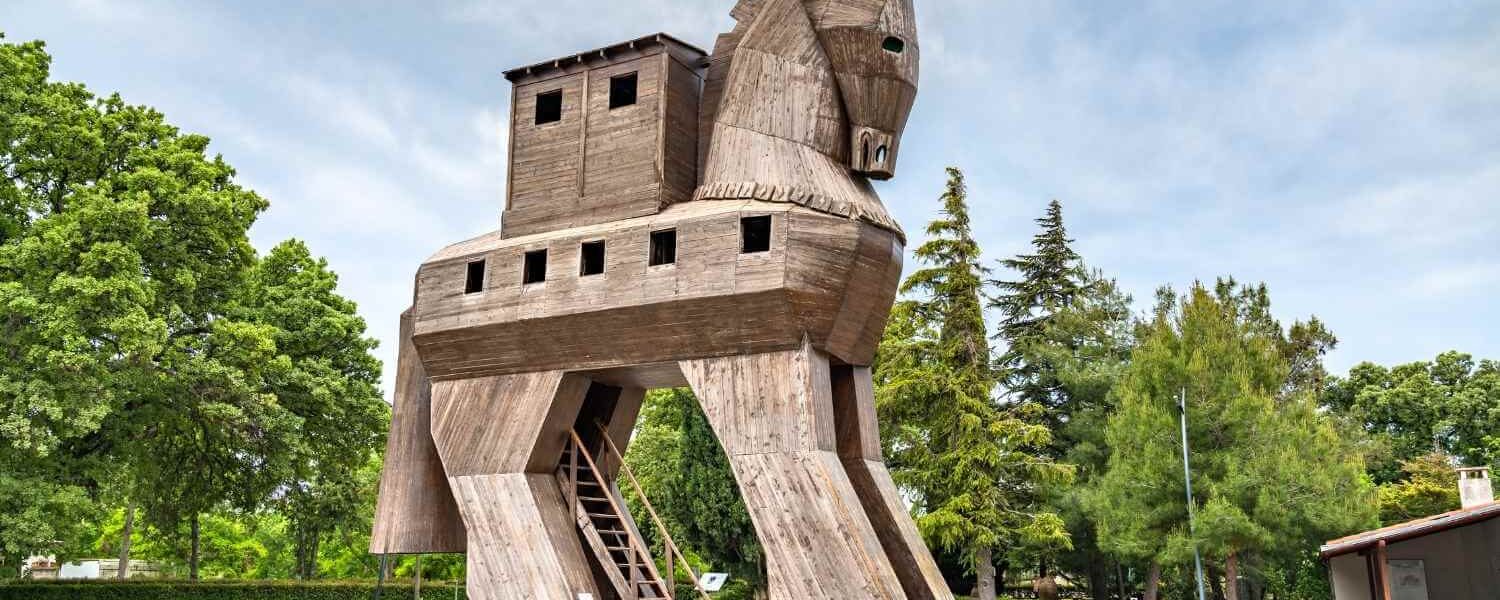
x: 622, y: 92
x: 755, y: 236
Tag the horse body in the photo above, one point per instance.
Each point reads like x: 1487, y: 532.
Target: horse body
x: 803, y: 103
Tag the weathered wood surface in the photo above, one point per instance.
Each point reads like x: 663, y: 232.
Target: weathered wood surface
x: 599, y: 164
x: 801, y: 104
x: 414, y: 510
x: 774, y: 415
x: 858, y: 435
x: 829, y: 278
x: 500, y: 439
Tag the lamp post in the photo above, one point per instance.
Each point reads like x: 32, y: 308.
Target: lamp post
x: 1187, y: 475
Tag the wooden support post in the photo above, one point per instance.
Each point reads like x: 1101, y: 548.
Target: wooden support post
x: 1383, y: 567
x: 774, y: 416
x: 858, y: 436
x: 415, y: 510
x: 500, y: 439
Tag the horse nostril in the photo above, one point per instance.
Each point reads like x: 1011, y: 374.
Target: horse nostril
x: 880, y: 155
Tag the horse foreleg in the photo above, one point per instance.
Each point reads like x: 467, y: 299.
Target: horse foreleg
x: 773, y: 414
x: 859, y: 449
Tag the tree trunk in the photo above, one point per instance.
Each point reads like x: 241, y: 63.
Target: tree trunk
x: 193, y: 553
x: 1098, y: 580
x: 1153, y: 581
x: 312, y: 557
x: 125, y: 534
x: 984, y: 575
x: 1120, y: 591
x: 1232, y: 576
x: 1215, y: 584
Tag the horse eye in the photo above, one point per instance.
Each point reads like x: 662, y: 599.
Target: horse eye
x: 893, y: 45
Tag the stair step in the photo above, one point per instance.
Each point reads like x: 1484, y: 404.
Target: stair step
x: 593, y: 499
x: 604, y: 515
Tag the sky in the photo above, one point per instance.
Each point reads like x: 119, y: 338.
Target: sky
x: 1347, y: 154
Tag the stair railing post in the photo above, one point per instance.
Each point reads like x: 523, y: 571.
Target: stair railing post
x: 635, y: 586
x: 671, y: 574
x: 670, y: 544
x: 572, y: 474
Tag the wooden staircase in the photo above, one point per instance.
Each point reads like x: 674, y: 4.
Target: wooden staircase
x: 607, y: 528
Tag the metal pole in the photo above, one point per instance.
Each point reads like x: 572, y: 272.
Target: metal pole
x: 1187, y: 475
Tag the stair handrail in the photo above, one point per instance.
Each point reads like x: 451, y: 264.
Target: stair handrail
x: 656, y: 520
x: 638, y: 545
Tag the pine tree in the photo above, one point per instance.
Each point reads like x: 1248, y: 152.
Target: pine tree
x: 1271, y: 475
x: 1052, y: 278
x: 973, y: 468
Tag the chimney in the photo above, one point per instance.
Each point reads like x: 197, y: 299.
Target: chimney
x: 1474, y: 487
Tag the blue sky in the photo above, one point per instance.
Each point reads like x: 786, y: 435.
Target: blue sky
x: 1345, y: 153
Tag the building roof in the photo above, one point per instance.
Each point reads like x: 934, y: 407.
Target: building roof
x: 1410, y: 529
x: 600, y: 53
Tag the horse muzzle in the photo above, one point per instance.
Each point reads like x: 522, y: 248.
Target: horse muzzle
x: 873, y: 152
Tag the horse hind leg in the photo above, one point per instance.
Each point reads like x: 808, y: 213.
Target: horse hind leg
x: 414, y: 511
x: 500, y: 438
x: 774, y: 416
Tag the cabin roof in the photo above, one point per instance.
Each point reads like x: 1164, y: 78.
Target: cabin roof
x: 1410, y: 529
x: 662, y: 39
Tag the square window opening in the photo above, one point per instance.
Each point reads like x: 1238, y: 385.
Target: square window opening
x: 474, y: 277
x: 591, y: 258
x: 534, y: 267
x: 663, y: 247
x: 755, y: 234
x: 622, y: 90
x: 549, y: 107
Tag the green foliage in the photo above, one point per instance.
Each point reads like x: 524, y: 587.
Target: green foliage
x: 1428, y: 487
x: 1449, y: 405
x: 684, y: 472
x: 217, y: 590
x: 1052, y: 279
x: 972, y: 467
x: 149, y: 355
x: 1271, y: 473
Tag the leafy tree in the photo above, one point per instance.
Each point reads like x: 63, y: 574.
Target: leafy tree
x: 1270, y: 473
x: 684, y: 472
x: 1429, y: 487
x: 149, y: 356
x: 974, y: 469
x: 1449, y: 405
x: 326, y: 376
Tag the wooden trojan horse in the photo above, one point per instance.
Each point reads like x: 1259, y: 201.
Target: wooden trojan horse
x: 671, y: 219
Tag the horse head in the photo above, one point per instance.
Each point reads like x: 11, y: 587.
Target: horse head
x: 872, y: 46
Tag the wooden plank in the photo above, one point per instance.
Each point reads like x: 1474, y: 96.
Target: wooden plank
x: 773, y: 413
x: 858, y: 435
x: 522, y: 541
x: 414, y: 510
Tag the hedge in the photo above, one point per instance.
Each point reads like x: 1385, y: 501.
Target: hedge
x: 220, y: 589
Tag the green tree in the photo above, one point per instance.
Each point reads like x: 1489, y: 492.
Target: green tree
x: 1067, y: 333
x: 1450, y: 404
x: 149, y: 357
x: 974, y: 468
x: 1271, y: 475
x: 1051, y: 279
x: 1429, y: 486
x: 326, y: 377
x: 684, y: 472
